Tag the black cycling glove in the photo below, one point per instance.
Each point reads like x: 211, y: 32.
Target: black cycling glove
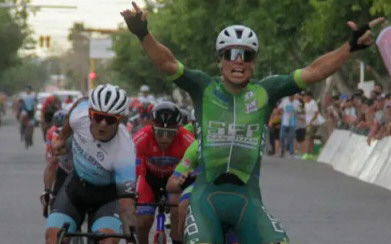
x: 137, y: 26
x: 354, y: 46
x: 189, y: 180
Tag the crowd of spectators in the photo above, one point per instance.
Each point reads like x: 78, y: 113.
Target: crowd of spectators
x: 370, y: 116
x: 295, y: 122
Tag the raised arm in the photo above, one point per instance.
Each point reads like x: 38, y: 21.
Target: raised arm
x: 160, y: 55
x: 329, y: 63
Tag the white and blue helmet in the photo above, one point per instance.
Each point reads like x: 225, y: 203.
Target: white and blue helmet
x: 108, y: 99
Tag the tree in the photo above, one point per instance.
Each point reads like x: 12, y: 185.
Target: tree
x: 12, y: 34
x: 75, y: 62
x: 29, y: 71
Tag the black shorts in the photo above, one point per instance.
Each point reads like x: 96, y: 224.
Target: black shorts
x: 61, y: 175
x: 148, y: 190
x: 300, y: 134
x: 76, y: 198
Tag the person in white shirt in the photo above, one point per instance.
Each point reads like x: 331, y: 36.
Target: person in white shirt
x: 289, y: 107
x: 313, y: 119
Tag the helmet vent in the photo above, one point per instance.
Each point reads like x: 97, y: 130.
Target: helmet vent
x: 107, y: 98
x: 239, y: 33
x: 100, y: 101
x: 226, y: 33
x: 250, y: 35
x: 122, y: 104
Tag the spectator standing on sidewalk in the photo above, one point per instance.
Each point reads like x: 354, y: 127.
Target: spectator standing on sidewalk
x: 300, y: 128
x: 274, y: 131
x: 313, y: 119
x: 288, y: 107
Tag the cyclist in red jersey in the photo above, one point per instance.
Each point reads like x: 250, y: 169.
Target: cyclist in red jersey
x: 49, y: 106
x: 160, y: 147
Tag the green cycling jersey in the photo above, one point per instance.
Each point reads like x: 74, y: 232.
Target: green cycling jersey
x: 230, y: 134
x: 230, y: 128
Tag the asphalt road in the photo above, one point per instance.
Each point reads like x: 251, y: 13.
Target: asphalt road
x: 314, y: 203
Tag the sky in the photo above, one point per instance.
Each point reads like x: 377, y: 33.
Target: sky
x: 57, y: 22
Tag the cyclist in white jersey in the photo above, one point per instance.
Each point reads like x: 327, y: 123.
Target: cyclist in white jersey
x: 104, y: 167
x: 28, y: 101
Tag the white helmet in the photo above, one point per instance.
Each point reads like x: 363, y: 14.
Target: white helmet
x: 144, y: 88
x: 237, y: 35
x: 109, y: 99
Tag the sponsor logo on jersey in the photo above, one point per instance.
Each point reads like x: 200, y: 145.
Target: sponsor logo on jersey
x: 248, y: 95
x: 186, y: 163
x: 100, y: 156
x: 82, y: 140
x: 77, y: 149
x: 251, y: 107
x: 229, y: 132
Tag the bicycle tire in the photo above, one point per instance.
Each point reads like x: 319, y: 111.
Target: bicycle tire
x: 160, y: 238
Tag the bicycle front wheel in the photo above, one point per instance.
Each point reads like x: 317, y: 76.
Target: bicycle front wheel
x: 160, y: 238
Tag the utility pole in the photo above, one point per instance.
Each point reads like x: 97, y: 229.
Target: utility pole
x: 92, y: 77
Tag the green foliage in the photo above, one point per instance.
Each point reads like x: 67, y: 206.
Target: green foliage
x: 13, y: 31
x: 27, y: 72
x: 291, y: 34
x: 11, y: 39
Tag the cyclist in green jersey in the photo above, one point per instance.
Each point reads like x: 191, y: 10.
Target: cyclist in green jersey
x: 191, y: 124
x: 231, y: 112
x: 175, y: 183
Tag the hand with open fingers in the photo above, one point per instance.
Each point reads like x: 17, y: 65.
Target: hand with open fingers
x: 362, y: 37
x: 136, y: 20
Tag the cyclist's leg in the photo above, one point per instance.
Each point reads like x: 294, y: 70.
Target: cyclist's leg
x: 63, y: 211
x: 175, y: 236
x: 145, y: 214
x: 202, y: 223
x: 59, y: 180
x: 184, y: 202
x: 257, y: 225
x: 106, y: 220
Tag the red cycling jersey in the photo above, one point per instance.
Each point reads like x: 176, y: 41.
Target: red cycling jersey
x: 151, y: 158
x: 51, y: 134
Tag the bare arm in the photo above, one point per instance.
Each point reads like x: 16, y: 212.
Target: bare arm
x: 160, y: 55
x: 329, y: 63
x: 50, y: 172
x: 326, y: 65
x: 173, y: 185
x: 314, y: 117
x: 127, y: 213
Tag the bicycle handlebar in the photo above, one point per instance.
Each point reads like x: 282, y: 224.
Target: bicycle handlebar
x: 96, y: 236
x: 156, y: 204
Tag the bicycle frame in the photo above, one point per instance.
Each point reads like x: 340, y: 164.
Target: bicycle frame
x: 160, y: 236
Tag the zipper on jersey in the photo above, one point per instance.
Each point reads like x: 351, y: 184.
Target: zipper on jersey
x: 232, y: 142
